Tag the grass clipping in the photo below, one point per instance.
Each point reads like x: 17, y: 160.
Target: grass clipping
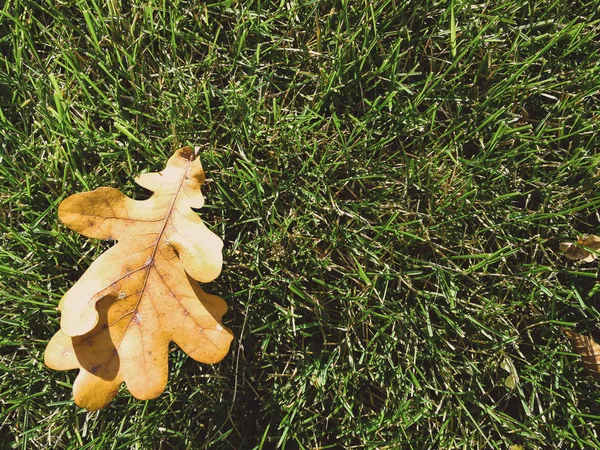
x: 118, y: 319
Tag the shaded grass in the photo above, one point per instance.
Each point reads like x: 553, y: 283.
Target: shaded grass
x: 391, y: 181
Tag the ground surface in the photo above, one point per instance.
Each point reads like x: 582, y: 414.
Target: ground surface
x: 391, y: 180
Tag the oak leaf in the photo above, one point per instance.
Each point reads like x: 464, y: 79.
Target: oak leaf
x: 118, y: 319
x: 581, y: 250
x: 589, y: 351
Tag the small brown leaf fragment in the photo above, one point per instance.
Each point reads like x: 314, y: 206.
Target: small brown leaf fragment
x: 118, y: 319
x: 577, y: 252
x: 589, y: 351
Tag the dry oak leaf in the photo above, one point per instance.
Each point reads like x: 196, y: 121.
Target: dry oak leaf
x: 589, y: 351
x: 118, y: 319
x: 577, y: 253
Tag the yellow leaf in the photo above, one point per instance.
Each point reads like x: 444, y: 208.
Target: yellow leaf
x: 118, y: 319
x: 510, y: 382
x: 589, y: 351
x: 512, y: 379
x: 577, y: 252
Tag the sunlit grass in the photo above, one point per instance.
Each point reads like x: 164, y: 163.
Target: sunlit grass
x: 391, y: 180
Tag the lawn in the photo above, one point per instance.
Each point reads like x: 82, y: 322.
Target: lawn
x: 391, y: 179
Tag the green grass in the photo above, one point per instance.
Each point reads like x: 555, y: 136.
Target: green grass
x: 392, y: 180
